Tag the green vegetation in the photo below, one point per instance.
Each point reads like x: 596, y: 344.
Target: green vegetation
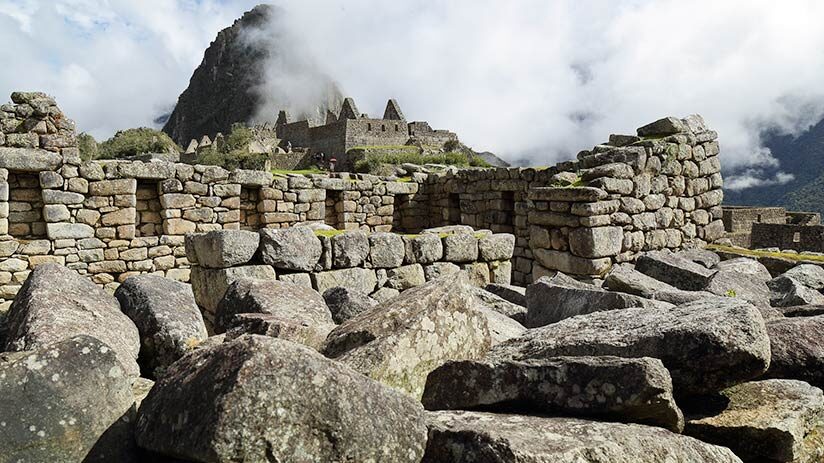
x: 759, y: 253
x: 730, y: 293
x: 329, y: 233
x: 309, y: 171
x: 88, y: 146
x: 372, y: 161
x: 132, y: 142
x: 233, y: 153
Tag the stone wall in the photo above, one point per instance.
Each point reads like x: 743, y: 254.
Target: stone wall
x: 112, y: 219
x: 787, y: 236
x: 379, y: 264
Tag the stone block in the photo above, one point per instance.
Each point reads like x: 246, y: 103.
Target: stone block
x: 460, y: 247
x: 596, y: 242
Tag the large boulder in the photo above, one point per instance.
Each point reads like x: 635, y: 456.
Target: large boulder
x: 496, y: 246
x: 631, y: 390
x: 302, y: 310
x: 500, y: 305
x: 460, y: 247
x: 552, y: 299
x: 511, y: 293
x: 797, y: 346
x: 674, y: 270
x: 350, y: 249
x: 386, y: 250
x: 706, y: 345
x: 770, y: 420
x: 166, y: 316
x: 358, y: 279
x: 742, y: 278
x: 345, y: 303
x: 465, y: 437
x: 704, y: 257
x: 65, y: 402
x: 222, y: 248
x: 808, y: 275
x: 295, y: 248
x: 264, y: 399
x: 787, y: 292
x: 423, y: 249
x: 625, y: 279
x: 309, y: 334
x: 209, y: 285
x: 501, y: 327
x: 399, y: 342
x: 55, y: 303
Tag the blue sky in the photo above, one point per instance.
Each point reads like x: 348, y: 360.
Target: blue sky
x: 538, y: 78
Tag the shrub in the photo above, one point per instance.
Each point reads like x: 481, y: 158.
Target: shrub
x: 88, y: 147
x: 234, y: 154
x: 132, y: 142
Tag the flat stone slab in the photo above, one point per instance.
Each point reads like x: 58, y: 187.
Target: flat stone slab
x: 625, y: 279
x: 552, y: 299
x: 635, y: 390
x: 797, y: 346
x: 770, y: 420
x: 223, y: 248
x: 463, y: 437
x: 29, y: 159
x: 706, y: 345
x: 570, y: 194
x: 674, y: 270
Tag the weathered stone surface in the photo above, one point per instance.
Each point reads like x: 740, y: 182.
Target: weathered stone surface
x: 704, y: 257
x: 56, y: 303
x: 460, y: 247
x: 264, y: 399
x: 350, y: 249
x: 628, y: 280
x: 797, y: 346
x: 550, y: 300
x: 742, y: 278
x: 356, y: 279
x: 676, y: 271
x: 501, y: 328
x: 285, y: 300
x: 439, y: 269
x: 500, y: 305
x: 787, y: 291
x: 808, y: 275
x: 578, y: 194
x: 399, y: 342
x: 574, y: 265
x: 706, y: 345
x: 770, y: 420
x: 511, y: 293
x: 596, y: 242
x: 223, y: 248
x: 464, y: 437
x: 423, y: 249
x: 68, y: 401
x: 635, y: 390
x: 665, y: 126
x: 29, y: 160
x: 496, y: 246
x: 309, y: 334
x: 386, y: 250
x: 166, y: 316
x: 295, y: 248
x: 345, y: 303
x: 209, y: 285
x: 405, y: 277
x: 63, y: 231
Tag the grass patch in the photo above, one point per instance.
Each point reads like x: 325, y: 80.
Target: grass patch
x: 406, y: 179
x: 329, y: 233
x: 758, y: 253
x: 372, y: 160
x: 312, y: 170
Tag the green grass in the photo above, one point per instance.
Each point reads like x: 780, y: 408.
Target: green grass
x: 312, y: 170
x: 329, y: 233
x: 373, y: 160
x: 758, y: 253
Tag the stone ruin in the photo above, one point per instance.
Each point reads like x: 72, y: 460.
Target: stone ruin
x: 311, y: 332
x: 109, y: 220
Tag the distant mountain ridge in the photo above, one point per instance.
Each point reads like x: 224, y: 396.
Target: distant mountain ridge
x: 224, y: 89
x: 801, y: 156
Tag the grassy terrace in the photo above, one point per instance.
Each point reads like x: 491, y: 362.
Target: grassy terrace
x: 310, y: 171
x: 758, y: 253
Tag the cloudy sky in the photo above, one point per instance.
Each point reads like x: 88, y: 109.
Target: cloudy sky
x: 529, y: 79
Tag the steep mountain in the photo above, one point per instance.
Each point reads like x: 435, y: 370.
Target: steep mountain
x: 801, y: 156
x: 234, y: 82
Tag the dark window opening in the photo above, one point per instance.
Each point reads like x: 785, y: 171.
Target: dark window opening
x: 454, y: 209
x: 334, y: 215
x: 368, y: 127
x: 25, y: 206
x: 148, y: 220
x: 249, y: 214
x: 383, y: 128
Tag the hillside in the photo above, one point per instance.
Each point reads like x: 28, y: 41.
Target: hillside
x: 222, y: 90
x: 803, y: 157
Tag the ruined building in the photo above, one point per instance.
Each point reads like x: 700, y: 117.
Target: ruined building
x: 116, y: 218
x: 350, y: 129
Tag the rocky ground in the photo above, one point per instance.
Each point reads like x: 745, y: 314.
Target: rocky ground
x: 679, y: 357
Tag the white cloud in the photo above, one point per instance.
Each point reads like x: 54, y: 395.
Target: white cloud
x: 532, y: 78
x: 750, y: 178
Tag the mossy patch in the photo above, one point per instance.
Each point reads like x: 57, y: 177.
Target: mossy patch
x: 760, y: 253
x: 310, y: 171
x: 329, y: 233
